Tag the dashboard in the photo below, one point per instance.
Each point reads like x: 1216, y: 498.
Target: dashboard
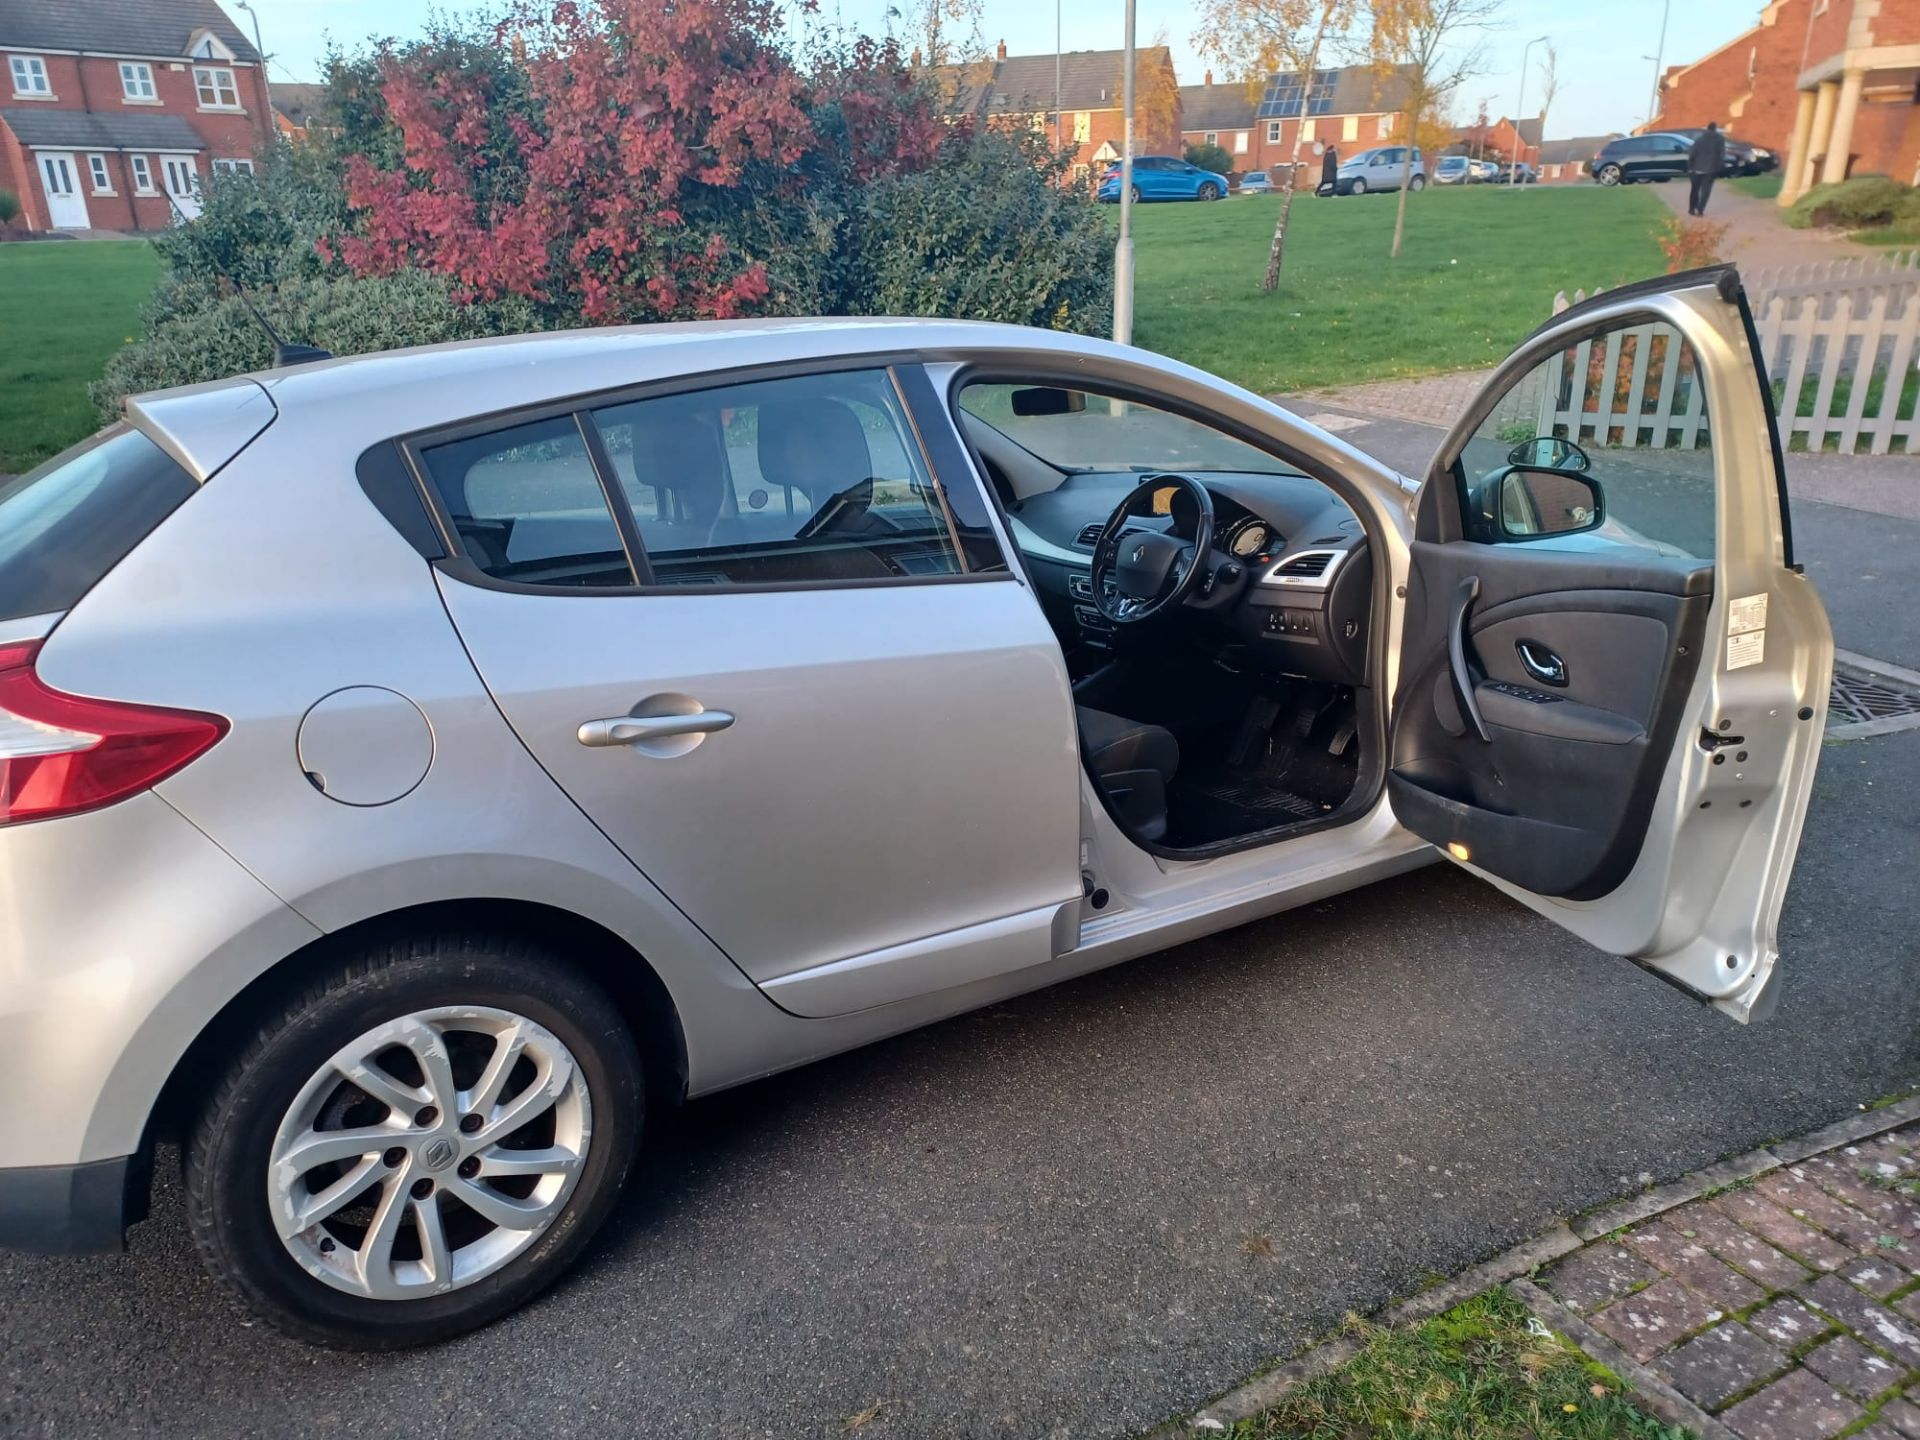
x: 1295, y: 578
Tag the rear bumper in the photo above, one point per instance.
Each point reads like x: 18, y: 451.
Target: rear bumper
x: 72, y: 1209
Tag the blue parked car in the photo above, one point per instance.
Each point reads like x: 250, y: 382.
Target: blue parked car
x: 1164, y: 177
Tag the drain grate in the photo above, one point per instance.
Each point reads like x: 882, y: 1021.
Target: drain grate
x: 1875, y: 698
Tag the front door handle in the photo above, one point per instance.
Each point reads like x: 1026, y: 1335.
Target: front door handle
x: 1457, y: 665
x: 1541, y: 663
x: 639, y: 729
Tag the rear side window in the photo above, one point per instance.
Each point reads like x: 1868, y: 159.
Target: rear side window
x: 528, y: 507
x: 65, y: 525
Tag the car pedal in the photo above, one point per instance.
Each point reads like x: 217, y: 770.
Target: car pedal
x: 1343, y: 737
x: 1249, y: 740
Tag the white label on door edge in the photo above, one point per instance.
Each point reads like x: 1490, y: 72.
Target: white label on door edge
x: 1747, y: 649
x: 1747, y: 613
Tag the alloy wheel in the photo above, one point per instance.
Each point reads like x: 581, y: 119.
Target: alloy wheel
x: 429, y: 1152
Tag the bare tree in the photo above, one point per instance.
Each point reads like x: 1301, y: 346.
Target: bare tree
x: 1419, y: 43
x: 1263, y: 38
x: 948, y: 31
x: 1549, y: 86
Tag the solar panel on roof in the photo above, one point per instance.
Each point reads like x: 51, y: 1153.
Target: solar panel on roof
x: 1282, y: 99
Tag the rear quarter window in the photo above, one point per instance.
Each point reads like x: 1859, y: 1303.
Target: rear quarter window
x: 65, y: 525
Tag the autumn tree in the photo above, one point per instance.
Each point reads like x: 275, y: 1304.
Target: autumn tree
x: 1156, y: 97
x: 1421, y: 45
x: 947, y: 32
x: 1263, y: 38
x: 1549, y: 85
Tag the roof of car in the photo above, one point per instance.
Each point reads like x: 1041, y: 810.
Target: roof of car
x: 396, y: 392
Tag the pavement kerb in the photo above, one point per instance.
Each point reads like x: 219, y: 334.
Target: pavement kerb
x: 1511, y: 1267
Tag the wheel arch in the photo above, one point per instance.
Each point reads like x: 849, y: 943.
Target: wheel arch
x: 634, y: 985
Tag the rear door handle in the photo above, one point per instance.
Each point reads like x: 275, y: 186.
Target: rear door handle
x: 637, y: 729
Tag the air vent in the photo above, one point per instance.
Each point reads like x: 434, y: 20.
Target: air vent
x: 1306, y: 567
x: 1089, y: 535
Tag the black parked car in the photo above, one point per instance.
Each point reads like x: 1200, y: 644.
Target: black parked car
x: 1640, y: 157
x: 1526, y: 176
x: 1742, y: 158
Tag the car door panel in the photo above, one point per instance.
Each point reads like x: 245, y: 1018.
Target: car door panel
x: 1649, y: 796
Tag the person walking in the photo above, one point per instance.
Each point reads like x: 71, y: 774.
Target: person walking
x: 1329, y: 170
x: 1704, y: 160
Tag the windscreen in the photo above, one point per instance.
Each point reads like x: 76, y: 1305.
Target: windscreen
x: 65, y: 525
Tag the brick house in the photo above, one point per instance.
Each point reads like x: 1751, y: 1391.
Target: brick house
x: 113, y: 111
x: 1020, y: 89
x: 298, y: 109
x: 1831, y: 85
x: 1567, y: 159
x: 1502, y: 139
x: 1352, y: 108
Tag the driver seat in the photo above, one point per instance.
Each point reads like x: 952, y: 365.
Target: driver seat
x: 1134, y: 763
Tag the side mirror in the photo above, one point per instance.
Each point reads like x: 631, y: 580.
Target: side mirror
x: 1532, y: 503
x: 1550, y: 452
x: 1047, y: 400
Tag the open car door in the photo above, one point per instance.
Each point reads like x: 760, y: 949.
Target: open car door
x: 1612, y: 677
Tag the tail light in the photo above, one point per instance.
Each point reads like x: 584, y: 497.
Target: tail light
x: 64, y: 754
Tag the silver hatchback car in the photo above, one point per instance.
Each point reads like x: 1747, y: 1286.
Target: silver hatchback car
x: 414, y: 768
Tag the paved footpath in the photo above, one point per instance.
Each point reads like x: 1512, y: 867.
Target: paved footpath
x: 1787, y: 1308
x: 1757, y: 234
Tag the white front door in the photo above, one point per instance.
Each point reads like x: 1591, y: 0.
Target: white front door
x: 66, y: 206
x: 181, y: 184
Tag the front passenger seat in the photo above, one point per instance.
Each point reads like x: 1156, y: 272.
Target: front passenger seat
x: 1134, y: 763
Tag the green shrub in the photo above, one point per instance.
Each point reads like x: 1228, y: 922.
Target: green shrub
x: 9, y: 205
x: 261, y: 227
x: 195, y: 330
x: 1210, y: 157
x: 1856, y: 204
x: 987, y: 234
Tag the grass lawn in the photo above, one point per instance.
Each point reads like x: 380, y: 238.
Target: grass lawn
x: 1761, y: 187
x: 1477, y: 272
x: 85, y: 297
x: 1474, y: 1373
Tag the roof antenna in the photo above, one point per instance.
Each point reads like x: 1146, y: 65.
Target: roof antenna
x: 284, y: 353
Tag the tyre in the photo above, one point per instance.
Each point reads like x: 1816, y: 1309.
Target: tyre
x: 419, y: 1142
x: 1608, y: 175
x: 1359, y: 187
x: 1135, y: 192
x: 1418, y: 182
x: 1208, y: 191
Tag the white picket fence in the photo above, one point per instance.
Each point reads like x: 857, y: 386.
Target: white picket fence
x: 1839, y: 339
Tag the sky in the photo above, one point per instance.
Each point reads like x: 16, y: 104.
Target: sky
x: 1606, y: 47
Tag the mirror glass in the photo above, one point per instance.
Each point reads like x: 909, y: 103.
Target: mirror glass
x: 1047, y: 400
x: 1547, y: 502
x: 1550, y: 452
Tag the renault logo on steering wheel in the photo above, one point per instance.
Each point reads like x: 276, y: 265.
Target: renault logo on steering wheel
x: 1139, y: 554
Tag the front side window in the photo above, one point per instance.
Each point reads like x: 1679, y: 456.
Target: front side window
x: 1273, y: 132
x: 97, y: 166
x: 30, y: 75
x: 1350, y: 127
x: 1082, y: 126
x: 816, y: 479
x: 213, y: 84
x: 142, y: 174
x: 1239, y: 142
x: 232, y: 167
x: 1603, y: 444
x: 136, y: 80
x: 527, y: 506
x: 1075, y: 431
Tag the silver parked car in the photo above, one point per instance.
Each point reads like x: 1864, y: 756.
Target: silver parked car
x: 416, y: 767
x: 1384, y: 168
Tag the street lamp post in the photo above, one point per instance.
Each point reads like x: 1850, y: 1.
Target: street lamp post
x: 266, y: 85
x: 1123, y: 251
x: 1520, y: 111
x: 1659, y: 53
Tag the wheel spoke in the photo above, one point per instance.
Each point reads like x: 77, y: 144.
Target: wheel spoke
x: 510, y: 1046
x: 321, y: 1147
x: 344, y: 1191
x: 530, y: 1103
x: 503, y: 1210
x: 376, y: 1251
x: 434, y: 1254
x: 398, y: 1097
x: 429, y: 1049
x: 552, y: 1160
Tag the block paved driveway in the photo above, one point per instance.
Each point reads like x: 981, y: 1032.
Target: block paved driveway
x: 1034, y: 1220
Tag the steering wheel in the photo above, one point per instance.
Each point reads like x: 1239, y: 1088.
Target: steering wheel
x: 1152, y: 572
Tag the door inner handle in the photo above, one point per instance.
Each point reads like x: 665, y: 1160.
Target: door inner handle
x: 1463, y: 598
x: 1540, y: 662
x: 638, y: 730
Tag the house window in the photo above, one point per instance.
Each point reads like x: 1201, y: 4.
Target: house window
x: 142, y: 175
x: 97, y: 166
x: 1385, y: 128
x: 1273, y: 132
x: 1306, y: 132
x: 136, y: 80
x: 1211, y: 137
x: 30, y: 78
x: 1350, y: 127
x: 1082, y: 126
x: 232, y: 167
x: 214, y: 85
x: 1239, y: 142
